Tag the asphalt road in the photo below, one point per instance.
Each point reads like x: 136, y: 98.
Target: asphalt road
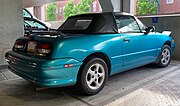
x: 144, y: 86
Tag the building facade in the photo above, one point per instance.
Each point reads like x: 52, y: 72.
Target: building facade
x: 169, y: 6
x: 95, y: 7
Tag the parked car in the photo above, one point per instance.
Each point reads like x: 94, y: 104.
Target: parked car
x: 87, y: 49
x: 33, y: 26
x: 27, y: 14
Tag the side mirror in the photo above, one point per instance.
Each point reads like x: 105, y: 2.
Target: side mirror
x: 149, y: 29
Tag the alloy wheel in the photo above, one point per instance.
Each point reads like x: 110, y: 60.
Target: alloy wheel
x: 95, y: 76
x: 165, y: 56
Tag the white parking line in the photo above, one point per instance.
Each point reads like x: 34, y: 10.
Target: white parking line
x: 10, y: 80
x: 131, y: 86
x: 3, y: 76
x: 119, y: 101
x: 126, y: 98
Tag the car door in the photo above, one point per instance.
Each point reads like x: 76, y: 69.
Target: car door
x: 138, y: 48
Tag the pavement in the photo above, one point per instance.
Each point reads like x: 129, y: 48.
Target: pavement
x: 144, y: 86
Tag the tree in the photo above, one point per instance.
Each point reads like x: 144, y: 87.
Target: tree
x: 82, y: 7
x: 146, y: 7
x: 50, y: 11
x: 68, y: 9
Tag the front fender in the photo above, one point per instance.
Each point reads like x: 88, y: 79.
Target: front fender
x: 162, y: 39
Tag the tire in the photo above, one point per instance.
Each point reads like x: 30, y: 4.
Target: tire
x: 93, y: 76
x: 165, y: 57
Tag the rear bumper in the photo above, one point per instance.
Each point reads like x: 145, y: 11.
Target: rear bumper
x: 44, y: 72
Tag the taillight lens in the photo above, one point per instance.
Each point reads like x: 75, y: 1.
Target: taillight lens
x: 19, y: 45
x: 43, y: 49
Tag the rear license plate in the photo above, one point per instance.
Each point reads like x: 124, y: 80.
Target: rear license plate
x: 31, y: 46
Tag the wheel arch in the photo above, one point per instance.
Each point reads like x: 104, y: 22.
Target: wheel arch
x: 99, y: 55
x: 168, y: 43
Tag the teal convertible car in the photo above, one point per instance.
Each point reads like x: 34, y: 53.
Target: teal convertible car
x: 87, y: 49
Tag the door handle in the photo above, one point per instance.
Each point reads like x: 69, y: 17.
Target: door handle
x: 126, y: 40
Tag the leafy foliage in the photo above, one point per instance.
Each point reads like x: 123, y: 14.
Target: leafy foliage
x: 50, y: 11
x: 68, y: 10
x: 146, y: 7
x: 82, y: 7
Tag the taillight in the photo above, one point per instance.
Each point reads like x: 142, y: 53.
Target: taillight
x: 19, y: 45
x: 43, y: 49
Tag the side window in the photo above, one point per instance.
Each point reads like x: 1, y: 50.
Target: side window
x: 141, y: 25
x: 127, y: 24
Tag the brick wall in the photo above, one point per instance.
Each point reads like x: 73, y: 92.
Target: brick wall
x: 169, y: 8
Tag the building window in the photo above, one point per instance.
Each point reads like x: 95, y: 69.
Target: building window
x: 100, y: 8
x: 60, y: 11
x: 169, y: 1
x: 56, y: 11
x: 94, y: 6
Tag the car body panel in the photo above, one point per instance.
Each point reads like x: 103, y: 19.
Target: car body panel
x: 109, y: 44
x: 44, y: 72
x: 137, y: 51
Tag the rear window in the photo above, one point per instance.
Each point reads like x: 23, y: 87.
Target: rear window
x: 77, y: 23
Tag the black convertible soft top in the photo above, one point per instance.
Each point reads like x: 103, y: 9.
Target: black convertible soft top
x: 101, y: 23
